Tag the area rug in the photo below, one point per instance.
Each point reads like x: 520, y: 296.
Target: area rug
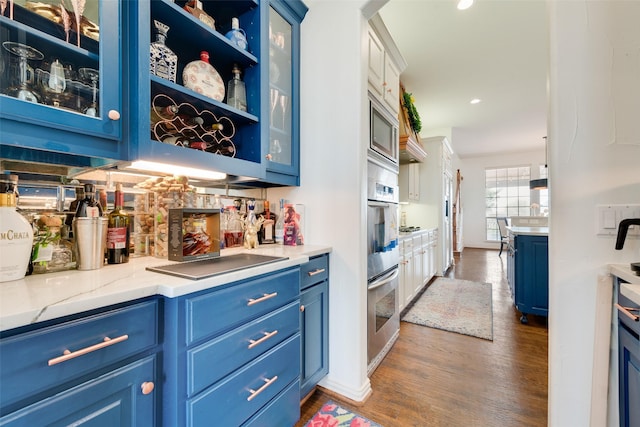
x: 333, y: 415
x: 455, y: 305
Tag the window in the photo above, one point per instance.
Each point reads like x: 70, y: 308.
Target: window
x: 543, y: 195
x: 507, y: 194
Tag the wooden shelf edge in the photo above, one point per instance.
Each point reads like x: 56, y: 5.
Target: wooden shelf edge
x: 411, y: 151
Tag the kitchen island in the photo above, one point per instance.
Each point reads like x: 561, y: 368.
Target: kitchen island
x: 125, y: 346
x: 528, y: 270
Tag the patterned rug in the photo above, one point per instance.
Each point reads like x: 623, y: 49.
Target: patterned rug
x: 332, y: 415
x: 455, y: 305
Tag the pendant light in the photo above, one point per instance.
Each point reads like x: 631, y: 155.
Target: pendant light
x: 540, y: 184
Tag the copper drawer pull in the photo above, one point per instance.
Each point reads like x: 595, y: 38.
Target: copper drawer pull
x: 267, y: 335
x: 317, y: 271
x: 266, y: 384
x: 262, y: 298
x: 67, y: 354
x: 626, y: 312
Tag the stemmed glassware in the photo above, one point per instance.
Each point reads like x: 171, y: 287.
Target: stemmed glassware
x: 53, y: 83
x: 91, y: 75
x: 25, y: 73
x: 274, y: 102
x: 284, y: 102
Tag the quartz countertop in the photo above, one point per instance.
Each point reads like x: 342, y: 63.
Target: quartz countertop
x: 41, y: 297
x: 631, y: 289
x: 529, y: 231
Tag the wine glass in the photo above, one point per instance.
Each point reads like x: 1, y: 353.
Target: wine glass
x: 274, y: 102
x: 275, y: 149
x: 284, y: 102
x: 91, y: 75
x: 53, y: 83
x: 25, y: 72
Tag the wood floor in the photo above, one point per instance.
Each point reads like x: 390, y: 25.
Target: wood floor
x: 437, y: 378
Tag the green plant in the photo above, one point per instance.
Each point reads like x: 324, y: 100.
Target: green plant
x: 412, y: 113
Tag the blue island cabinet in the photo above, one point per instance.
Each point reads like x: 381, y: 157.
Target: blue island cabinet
x: 61, y: 98
x: 232, y: 354
x: 628, y: 362
x: 314, y: 323
x: 528, y: 274
x: 98, y: 369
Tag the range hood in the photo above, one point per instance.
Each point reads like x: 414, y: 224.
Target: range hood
x: 411, y: 150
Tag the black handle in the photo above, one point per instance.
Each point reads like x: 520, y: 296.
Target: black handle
x: 622, y: 230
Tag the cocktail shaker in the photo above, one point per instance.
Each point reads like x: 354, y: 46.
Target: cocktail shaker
x: 91, y: 241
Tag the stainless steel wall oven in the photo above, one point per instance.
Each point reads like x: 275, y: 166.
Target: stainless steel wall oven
x: 383, y: 317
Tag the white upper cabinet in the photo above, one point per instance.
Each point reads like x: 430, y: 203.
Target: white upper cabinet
x: 385, y: 65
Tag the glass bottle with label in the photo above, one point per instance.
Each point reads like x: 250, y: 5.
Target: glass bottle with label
x: 236, y: 91
x: 194, y: 7
x: 89, y: 206
x: 16, y: 234
x: 268, y: 232
x: 163, y: 61
x: 280, y: 224
x: 118, y: 231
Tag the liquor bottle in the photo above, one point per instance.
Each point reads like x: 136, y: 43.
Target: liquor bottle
x: 268, y: 232
x: 163, y: 61
x: 194, y: 7
x: 118, y: 231
x: 236, y: 91
x: 237, y: 35
x: 89, y: 206
x: 72, y: 209
x: 279, y: 228
x: 16, y: 234
x: 202, y: 78
x: 163, y: 114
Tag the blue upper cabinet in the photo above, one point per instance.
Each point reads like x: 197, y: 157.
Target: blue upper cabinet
x: 180, y: 109
x: 281, y: 41
x: 60, y: 92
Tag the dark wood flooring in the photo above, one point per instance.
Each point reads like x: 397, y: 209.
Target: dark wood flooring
x: 437, y: 378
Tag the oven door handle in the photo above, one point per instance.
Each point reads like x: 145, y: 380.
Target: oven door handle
x: 384, y: 280
x: 380, y: 204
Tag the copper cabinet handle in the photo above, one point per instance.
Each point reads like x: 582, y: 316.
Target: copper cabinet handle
x: 316, y: 271
x: 264, y: 297
x: 267, y: 383
x: 267, y: 335
x: 67, y: 354
x: 626, y: 311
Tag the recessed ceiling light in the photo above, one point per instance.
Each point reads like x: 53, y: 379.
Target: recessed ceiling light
x: 475, y: 101
x: 464, y: 4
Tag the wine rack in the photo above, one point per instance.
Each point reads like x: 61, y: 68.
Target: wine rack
x: 210, y: 133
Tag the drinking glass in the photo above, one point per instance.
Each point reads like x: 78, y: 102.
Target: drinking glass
x: 25, y: 72
x: 284, y: 102
x: 91, y: 75
x: 274, y: 102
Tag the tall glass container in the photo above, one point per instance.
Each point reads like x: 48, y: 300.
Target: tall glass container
x: 16, y: 234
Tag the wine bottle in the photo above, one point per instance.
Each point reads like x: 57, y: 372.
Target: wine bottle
x: 159, y: 114
x: 72, y: 209
x: 268, y: 234
x: 118, y: 231
x: 279, y: 228
x: 89, y: 206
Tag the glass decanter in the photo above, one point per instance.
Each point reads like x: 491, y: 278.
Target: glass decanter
x: 25, y: 72
x: 163, y: 61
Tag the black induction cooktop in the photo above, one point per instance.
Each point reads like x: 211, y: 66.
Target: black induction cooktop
x: 196, y: 270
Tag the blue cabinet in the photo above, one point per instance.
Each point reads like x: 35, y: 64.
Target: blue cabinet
x: 61, y: 98
x: 529, y: 275
x: 99, y: 367
x: 314, y: 323
x: 628, y: 365
x: 235, y: 346
x: 240, y: 148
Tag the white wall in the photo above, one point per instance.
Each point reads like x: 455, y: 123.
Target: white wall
x: 333, y: 176
x: 594, y: 147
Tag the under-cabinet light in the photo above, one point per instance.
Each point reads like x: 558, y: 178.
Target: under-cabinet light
x: 177, y: 170
x: 475, y: 101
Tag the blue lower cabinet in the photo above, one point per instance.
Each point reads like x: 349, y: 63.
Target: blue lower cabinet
x: 628, y: 365
x: 114, y: 399
x: 235, y: 399
x: 530, y: 286
x: 314, y: 324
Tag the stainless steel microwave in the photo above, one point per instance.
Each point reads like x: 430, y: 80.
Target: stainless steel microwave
x: 383, y: 133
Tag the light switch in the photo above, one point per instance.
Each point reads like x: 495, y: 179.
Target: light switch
x: 609, y: 219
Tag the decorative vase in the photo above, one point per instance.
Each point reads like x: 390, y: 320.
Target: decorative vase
x: 164, y: 63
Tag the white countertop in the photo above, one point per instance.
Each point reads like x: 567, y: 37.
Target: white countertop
x: 529, y: 231
x: 630, y: 290
x: 42, y: 297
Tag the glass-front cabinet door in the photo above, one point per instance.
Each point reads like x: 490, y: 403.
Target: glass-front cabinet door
x: 60, y: 76
x: 283, y: 71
